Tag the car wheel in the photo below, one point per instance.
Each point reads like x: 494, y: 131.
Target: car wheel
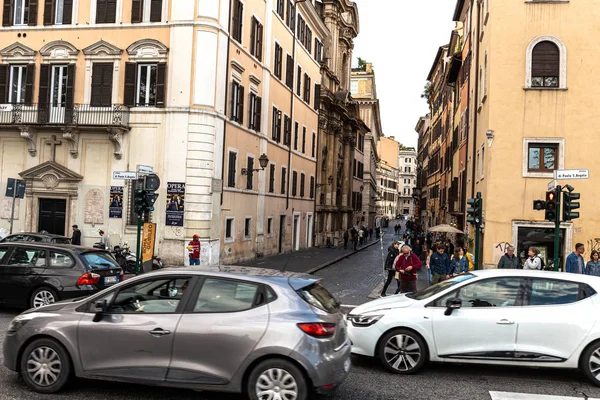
x: 131, y: 267
x: 403, y: 351
x: 42, y: 297
x: 45, y: 366
x: 277, y: 379
x: 590, y: 363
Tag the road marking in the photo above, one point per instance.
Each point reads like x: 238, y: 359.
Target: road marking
x: 527, y: 396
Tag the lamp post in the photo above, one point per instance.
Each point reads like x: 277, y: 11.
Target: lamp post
x: 263, y: 160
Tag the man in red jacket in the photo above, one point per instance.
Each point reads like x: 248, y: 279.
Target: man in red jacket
x: 194, y: 250
x: 407, y: 266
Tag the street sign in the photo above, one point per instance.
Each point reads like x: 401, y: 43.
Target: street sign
x: 145, y: 169
x: 10, y: 188
x: 571, y: 174
x: 551, y: 185
x: 124, y: 175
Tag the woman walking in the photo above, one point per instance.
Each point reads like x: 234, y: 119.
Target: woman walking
x: 534, y: 262
x: 459, y: 264
x: 593, y: 266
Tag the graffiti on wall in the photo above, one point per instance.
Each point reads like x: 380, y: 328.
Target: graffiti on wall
x: 499, y: 250
x: 593, y: 244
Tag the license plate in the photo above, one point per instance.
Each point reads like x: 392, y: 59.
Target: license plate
x: 347, y: 365
x: 109, y: 280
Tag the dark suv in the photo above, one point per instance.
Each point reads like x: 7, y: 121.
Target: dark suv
x: 37, y: 274
x: 37, y: 237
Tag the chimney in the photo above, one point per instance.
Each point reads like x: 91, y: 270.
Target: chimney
x: 392, y: 138
x: 369, y: 68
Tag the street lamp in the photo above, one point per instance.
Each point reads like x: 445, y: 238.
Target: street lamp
x: 329, y: 182
x: 263, y: 160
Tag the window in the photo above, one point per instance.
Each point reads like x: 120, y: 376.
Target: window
x: 314, y: 145
x: 224, y: 296
x: 281, y: 8
x: 302, y: 178
x: 296, y: 133
x: 482, y: 172
x: 289, y: 72
x: 312, y: 188
x: 317, y: 296
x: 60, y: 260
x: 548, y: 292
x: 278, y: 64
x: 318, y: 50
x: 254, y: 111
x: 145, y: 84
x: 269, y: 226
x: 106, y: 11
x: 102, y: 81
x: 155, y: 296
x: 276, y: 125
x: 256, y: 39
x: 283, y: 172
x: 287, y: 130
x: 299, y: 83
x: 307, y: 84
x: 237, y: 102
x: 317, y: 103
x: 237, y: 22
x: 294, y: 183
x: 291, y: 14
x: 229, y: 230
x: 542, y: 157
x: 98, y: 259
x: 17, y: 84
x: 499, y: 292
x: 545, y: 65
x: 304, y: 140
x: 300, y: 30
x: 231, y: 171
x: 146, y: 11
x: 247, y: 228
x: 146, y: 87
x: 25, y: 256
x: 272, y: 178
x: 20, y: 12
x: 250, y: 173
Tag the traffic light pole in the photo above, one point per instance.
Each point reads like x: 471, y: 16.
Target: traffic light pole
x: 138, y: 250
x: 557, y: 228
x: 477, y: 237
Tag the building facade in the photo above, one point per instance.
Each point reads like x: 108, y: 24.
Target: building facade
x: 407, y: 180
x: 388, y: 176
x: 89, y: 88
x: 421, y: 190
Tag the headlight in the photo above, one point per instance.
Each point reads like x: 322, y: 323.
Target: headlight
x: 364, y: 320
x: 16, y: 324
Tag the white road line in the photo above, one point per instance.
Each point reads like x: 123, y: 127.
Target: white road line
x: 528, y: 396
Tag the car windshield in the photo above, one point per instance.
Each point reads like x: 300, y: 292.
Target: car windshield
x: 439, y: 287
x: 99, y: 260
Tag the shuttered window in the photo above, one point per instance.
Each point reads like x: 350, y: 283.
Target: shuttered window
x: 106, y: 11
x: 287, y: 130
x: 59, y: 12
x: 231, y: 172
x: 312, y: 187
x: 545, y: 65
x: 237, y: 102
x: 250, y: 173
x: 281, y: 8
x: 314, y: 145
x: 289, y: 72
x: 272, y: 178
x: 283, y: 177
x: 317, y: 103
x: 256, y: 39
x: 145, y: 84
x: 307, y: 83
x: 278, y: 64
x: 296, y: 133
x: 254, y: 112
x: 102, y: 81
x: 294, y: 183
x: 20, y: 12
x: 146, y: 11
x: 276, y: 125
x: 291, y: 15
x: 304, y: 140
x: 302, y: 178
x: 237, y: 21
x: 299, y: 83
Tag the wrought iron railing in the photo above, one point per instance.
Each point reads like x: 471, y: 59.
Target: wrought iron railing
x: 67, y: 114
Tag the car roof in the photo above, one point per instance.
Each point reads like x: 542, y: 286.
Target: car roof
x: 491, y: 273
x: 48, y: 235
x: 45, y: 245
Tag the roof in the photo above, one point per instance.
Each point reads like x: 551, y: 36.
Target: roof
x: 458, y: 10
x: 491, y: 273
x: 436, y: 61
x: 40, y: 234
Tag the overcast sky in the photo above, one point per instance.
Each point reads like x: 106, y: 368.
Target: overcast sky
x: 401, y: 39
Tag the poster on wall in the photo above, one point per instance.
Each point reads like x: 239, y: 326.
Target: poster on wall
x: 115, y: 209
x: 175, y: 203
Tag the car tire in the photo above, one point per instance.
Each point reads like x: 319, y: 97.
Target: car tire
x: 273, y: 377
x: 43, y: 296
x: 402, y: 351
x: 590, y: 363
x: 45, y: 366
x: 130, y: 267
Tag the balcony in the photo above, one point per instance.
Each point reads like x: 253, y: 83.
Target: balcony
x: 65, y: 115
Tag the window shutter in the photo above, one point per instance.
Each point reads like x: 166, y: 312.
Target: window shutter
x: 289, y: 74
x: 101, y: 84
x: 70, y: 94
x: 232, y: 104
x: 234, y: 19
x: 231, y: 170
x: 101, y: 8
x: 7, y: 13
x: 4, y: 76
x: 299, y: 84
x: 48, y: 12
x: 317, y: 96
x: 155, y: 10
x: 130, y: 78
x: 283, y: 177
x: 240, y: 20
x: 67, y: 12
x: 259, y: 42
x: 301, y: 185
x: 304, y: 140
x: 272, y: 178
x: 240, y: 105
x: 294, y: 183
x: 44, y: 94
x: 545, y: 60
x: 312, y: 187
x: 33, y: 12
x: 253, y: 32
x: 250, y: 176
x: 29, y: 77
x: 161, y: 79
x: 257, y: 114
x: 111, y: 11
x: 136, y: 11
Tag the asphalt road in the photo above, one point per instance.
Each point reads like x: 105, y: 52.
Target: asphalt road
x: 352, y: 280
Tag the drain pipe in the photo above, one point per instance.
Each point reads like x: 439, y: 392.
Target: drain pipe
x: 225, y: 108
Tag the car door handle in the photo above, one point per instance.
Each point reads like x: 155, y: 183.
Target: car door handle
x: 505, y: 322
x: 159, y: 332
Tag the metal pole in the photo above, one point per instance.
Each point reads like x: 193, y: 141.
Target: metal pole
x: 478, y: 235
x: 12, y: 211
x: 139, y: 245
x: 557, y: 228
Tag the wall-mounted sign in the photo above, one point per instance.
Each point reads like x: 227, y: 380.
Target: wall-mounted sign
x: 175, y: 203
x: 115, y: 208
x: 124, y: 175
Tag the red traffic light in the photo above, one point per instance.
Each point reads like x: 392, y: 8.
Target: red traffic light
x: 551, y: 196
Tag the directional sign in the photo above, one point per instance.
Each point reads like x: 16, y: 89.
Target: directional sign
x: 551, y: 185
x: 571, y: 174
x: 17, y: 184
x: 145, y: 169
x: 124, y: 175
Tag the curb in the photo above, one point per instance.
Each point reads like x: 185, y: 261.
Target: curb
x: 336, y: 260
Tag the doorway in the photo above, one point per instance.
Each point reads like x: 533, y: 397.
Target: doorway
x: 309, y: 229
x: 52, y: 216
x: 296, y: 233
x: 281, y: 232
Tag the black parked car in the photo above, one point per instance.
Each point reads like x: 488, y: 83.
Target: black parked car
x: 37, y: 237
x: 37, y: 274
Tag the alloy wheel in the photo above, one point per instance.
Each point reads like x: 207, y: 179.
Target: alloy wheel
x: 276, y: 384
x: 44, y: 366
x: 594, y: 364
x: 43, y: 298
x: 402, y: 352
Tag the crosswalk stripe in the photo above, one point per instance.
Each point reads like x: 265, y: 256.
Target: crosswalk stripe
x: 528, y: 396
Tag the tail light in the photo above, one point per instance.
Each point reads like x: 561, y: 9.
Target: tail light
x: 318, y: 330
x: 121, y: 277
x: 88, y: 279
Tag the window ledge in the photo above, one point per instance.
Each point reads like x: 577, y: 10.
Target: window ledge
x: 538, y: 175
x: 228, y: 240
x: 546, y: 88
x: 546, y: 1
x: 487, y: 16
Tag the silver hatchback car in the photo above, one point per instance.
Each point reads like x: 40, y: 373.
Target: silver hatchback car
x: 271, y: 337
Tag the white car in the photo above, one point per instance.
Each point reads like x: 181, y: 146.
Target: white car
x: 501, y: 317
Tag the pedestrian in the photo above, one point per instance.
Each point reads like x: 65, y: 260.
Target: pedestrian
x: 393, y: 252
x: 438, y: 243
x: 194, y: 250
x: 346, y: 237
x: 459, y: 264
x: 103, y: 240
x: 575, y: 263
x: 76, y: 238
x: 407, y: 267
x: 370, y: 234
x: 593, y: 266
x: 354, y: 234
x: 361, y: 235
x: 534, y: 262
x: 449, y: 246
x: 509, y: 260
x: 439, y: 263
x: 418, y: 249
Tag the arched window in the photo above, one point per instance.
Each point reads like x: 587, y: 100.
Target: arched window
x: 545, y: 65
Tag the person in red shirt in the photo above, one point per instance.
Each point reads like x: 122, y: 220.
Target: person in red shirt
x: 194, y: 250
x: 407, y: 266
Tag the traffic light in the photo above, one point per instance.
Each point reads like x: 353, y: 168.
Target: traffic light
x: 570, y: 205
x: 551, y: 206
x: 139, y: 201
x: 474, y: 212
x: 151, y: 185
x: 539, y: 205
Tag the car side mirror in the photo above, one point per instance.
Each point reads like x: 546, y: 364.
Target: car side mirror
x: 100, y: 309
x: 452, y: 304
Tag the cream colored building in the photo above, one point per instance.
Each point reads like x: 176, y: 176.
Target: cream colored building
x: 407, y: 180
x: 388, y: 176
x: 88, y: 89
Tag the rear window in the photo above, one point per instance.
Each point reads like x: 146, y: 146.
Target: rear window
x: 99, y: 260
x: 62, y: 241
x: 19, y: 238
x: 317, y: 296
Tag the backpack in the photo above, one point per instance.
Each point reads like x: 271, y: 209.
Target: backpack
x: 471, y: 262
x: 542, y: 263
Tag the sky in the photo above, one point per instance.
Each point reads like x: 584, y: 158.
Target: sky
x: 401, y: 39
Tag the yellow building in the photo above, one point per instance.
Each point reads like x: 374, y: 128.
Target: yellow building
x: 388, y: 176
